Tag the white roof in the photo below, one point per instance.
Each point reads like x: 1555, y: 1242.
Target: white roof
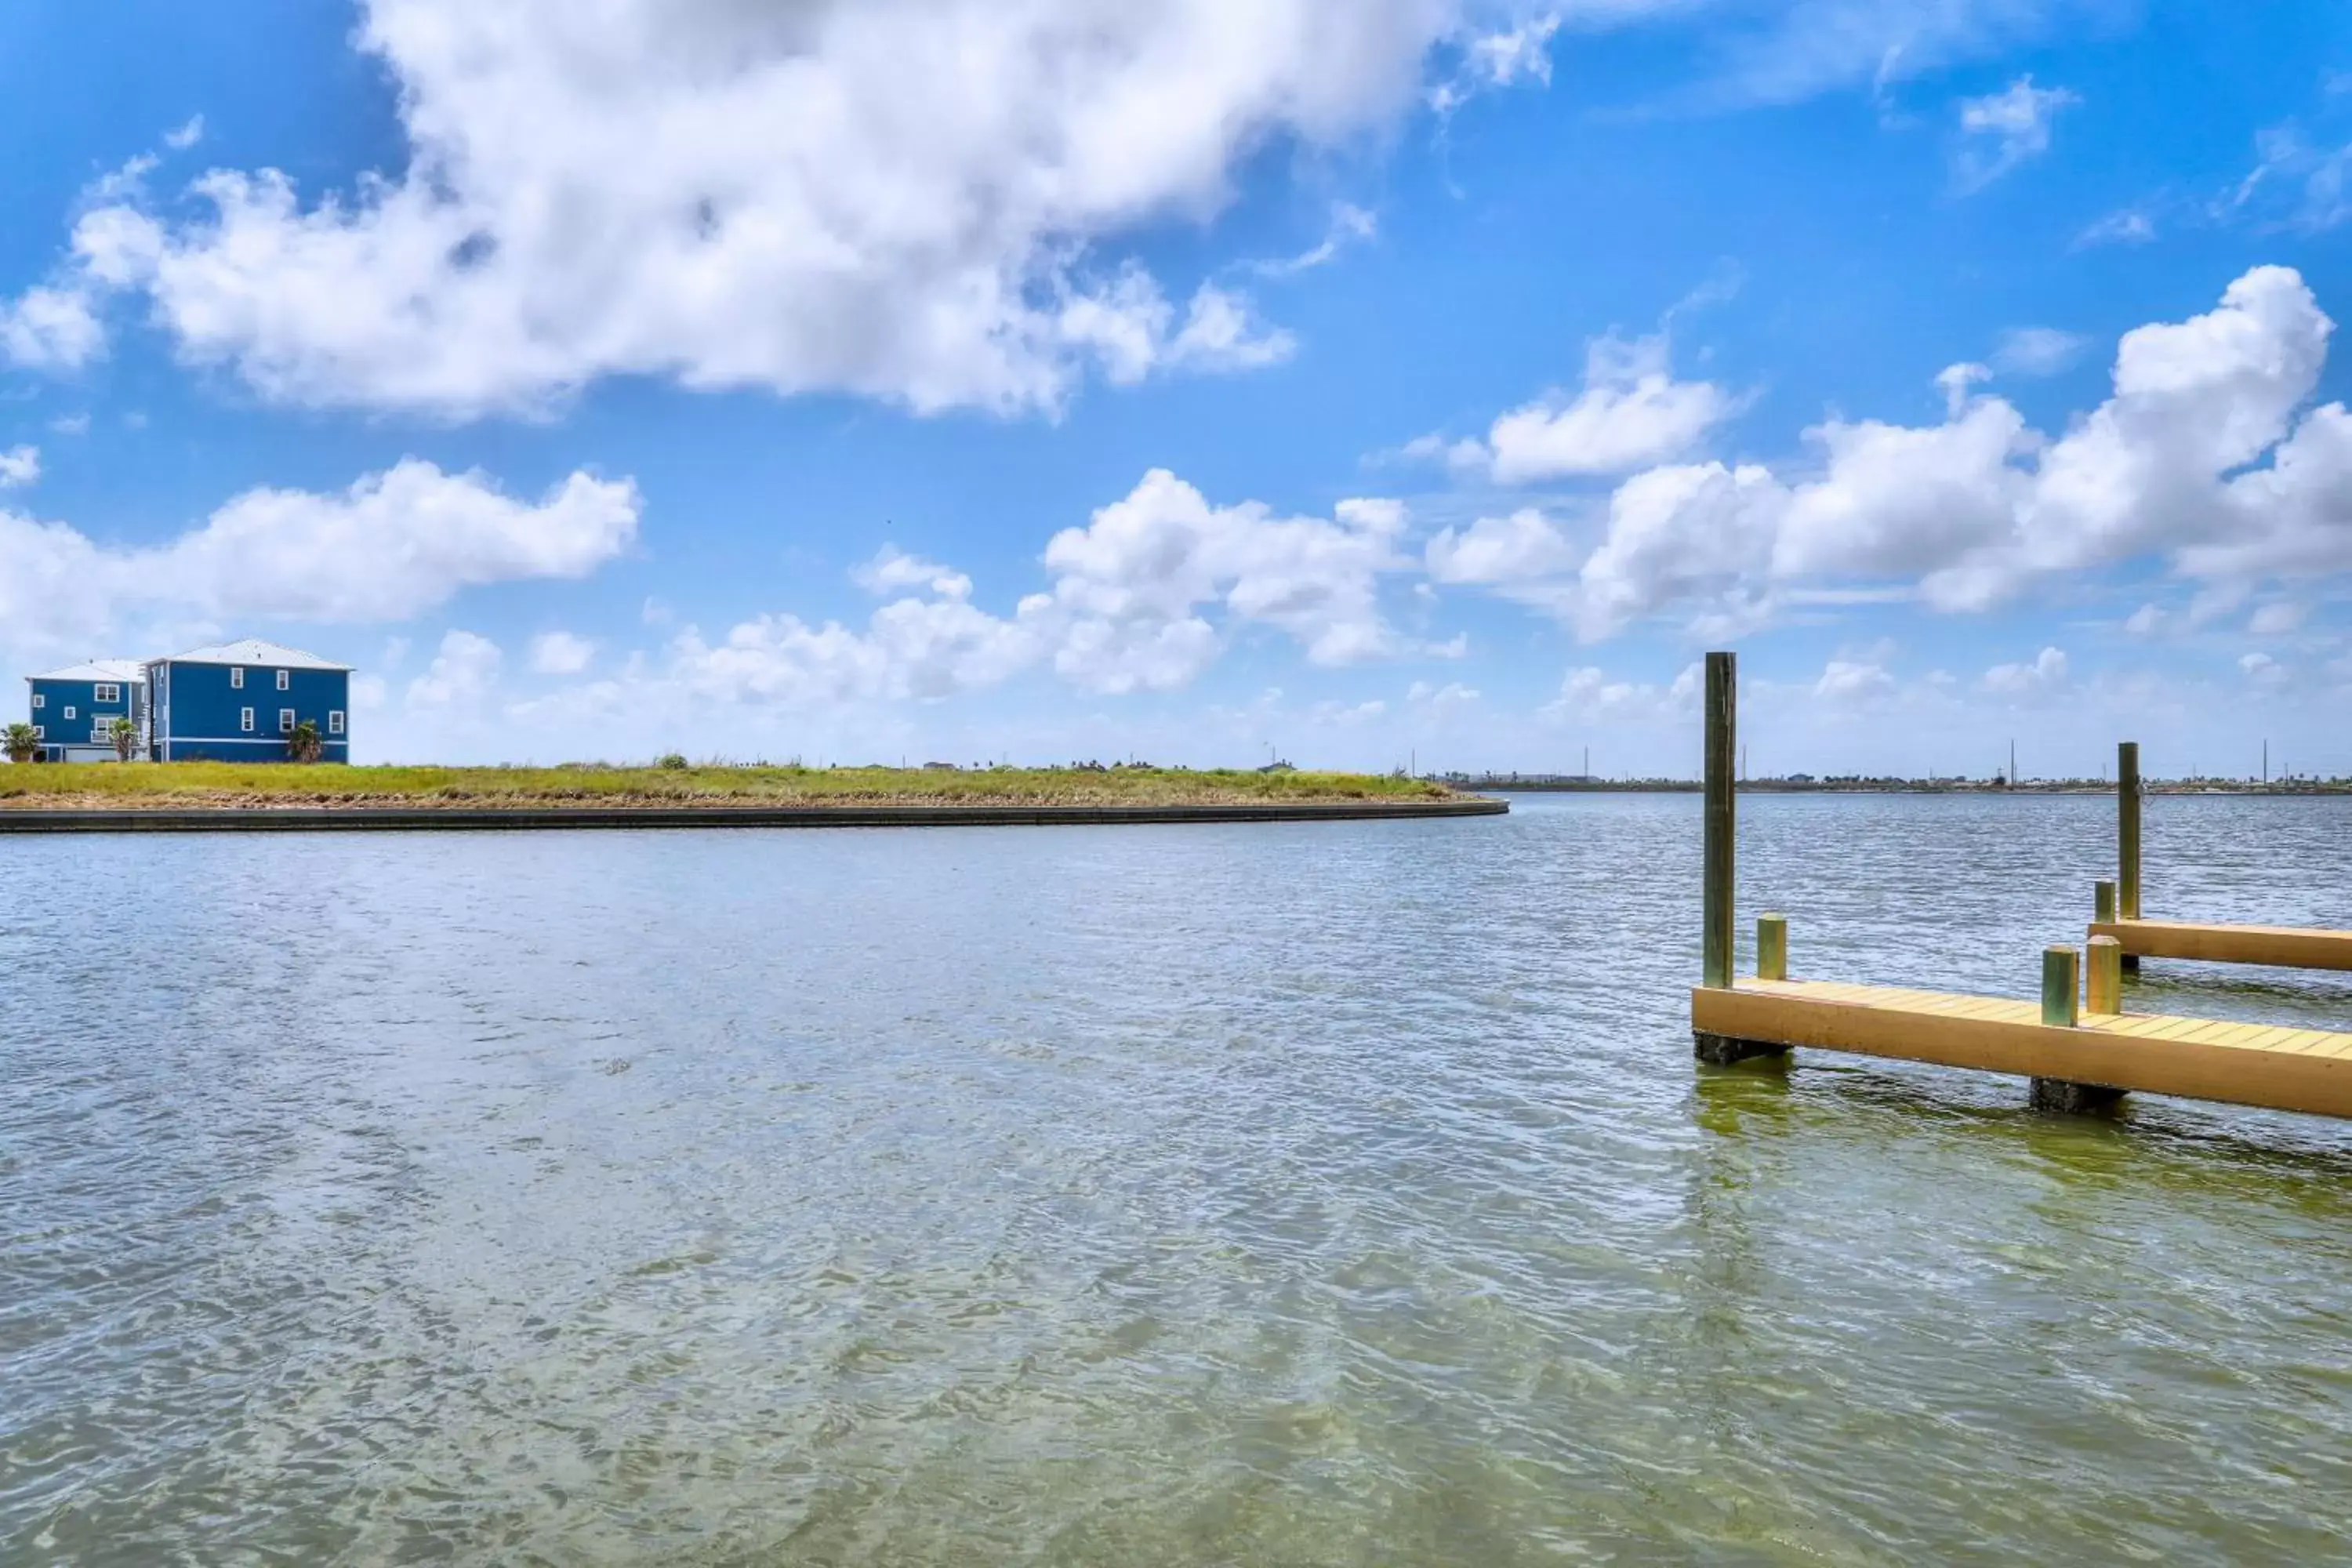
x: 252, y: 650
x: 129, y: 669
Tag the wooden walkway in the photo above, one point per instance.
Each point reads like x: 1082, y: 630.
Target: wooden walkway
x: 2288, y: 947
x: 2201, y: 1059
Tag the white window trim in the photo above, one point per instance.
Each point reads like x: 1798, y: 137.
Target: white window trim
x: 70, y: 712
x: 237, y: 677
x: 335, y: 721
x: 285, y: 680
x: 245, y: 721
x: 41, y: 701
x: 106, y: 691
x: 40, y: 732
x: 286, y: 721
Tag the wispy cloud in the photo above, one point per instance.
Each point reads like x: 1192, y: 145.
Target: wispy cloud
x: 2038, y: 350
x: 2003, y: 130
x: 1350, y: 225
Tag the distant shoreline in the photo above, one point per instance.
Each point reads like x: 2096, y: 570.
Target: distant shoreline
x: 509, y: 819
x: 1902, y: 786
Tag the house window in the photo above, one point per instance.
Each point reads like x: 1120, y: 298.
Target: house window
x: 100, y: 735
x: 70, y: 713
x: 237, y: 677
x: 41, y: 701
x: 244, y: 719
x: 286, y: 721
x: 285, y: 680
x: 40, y: 733
x: 335, y: 722
x: 103, y: 692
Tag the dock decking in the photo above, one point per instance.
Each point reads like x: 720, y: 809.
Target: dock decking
x: 2287, y: 947
x: 2202, y: 1059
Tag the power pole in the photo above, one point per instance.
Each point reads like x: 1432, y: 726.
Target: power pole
x: 2012, y: 762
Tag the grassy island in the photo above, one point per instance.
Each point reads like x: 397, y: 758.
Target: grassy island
x: 197, y: 787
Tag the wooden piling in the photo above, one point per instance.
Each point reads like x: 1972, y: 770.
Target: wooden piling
x: 1722, y: 744
x: 1771, y: 947
x: 2103, y: 902
x: 2105, y: 982
x: 2127, y: 799
x: 2061, y: 987
x: 1716, y: 1047
x: 2062, y: 1009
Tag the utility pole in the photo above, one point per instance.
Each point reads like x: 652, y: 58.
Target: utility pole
x: 2266, y: 761
x: 2012, y: 762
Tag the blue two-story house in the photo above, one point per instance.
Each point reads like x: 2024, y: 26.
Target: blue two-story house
x: 74, y: 709
x: 240, y: 702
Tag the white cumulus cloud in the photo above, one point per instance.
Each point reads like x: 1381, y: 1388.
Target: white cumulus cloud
x: 1524, y: 547
x: 903, y: 198
x: 1630, y: 412
x: 2203, y: 456
x: 1132, y: 587
x: 2045, y: 674
x: 463, y: 671
x: 20, y: 465
x: 561, y: 653
x: 50, y: 328
x: 391, y: 546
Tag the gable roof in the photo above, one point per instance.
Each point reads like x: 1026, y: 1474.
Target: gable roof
x: 116, y: 670
x: 252, y: 650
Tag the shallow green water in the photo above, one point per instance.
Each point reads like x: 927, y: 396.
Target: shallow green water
x: 1315, y: 1193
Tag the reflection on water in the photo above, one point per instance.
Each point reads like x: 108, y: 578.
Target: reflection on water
x: 1315, y: 1193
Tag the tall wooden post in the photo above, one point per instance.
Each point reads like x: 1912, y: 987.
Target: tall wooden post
x: 2127, y: 830
x: 1722, y: 741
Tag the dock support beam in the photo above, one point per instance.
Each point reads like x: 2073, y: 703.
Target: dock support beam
x: 2127, y: 799
x: 2062, y: 1009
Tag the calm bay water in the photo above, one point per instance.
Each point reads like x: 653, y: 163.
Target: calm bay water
x: 1315, y: 1193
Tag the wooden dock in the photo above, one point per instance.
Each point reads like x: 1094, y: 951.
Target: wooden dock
x: 2287, y: 947
x: 2202, y: 1059
x: 2117, y: 908
x: 2076, y: 1044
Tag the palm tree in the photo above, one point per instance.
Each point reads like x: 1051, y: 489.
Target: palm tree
x: 303, y: 744
x: 23, y: 745
x: 125, y: 736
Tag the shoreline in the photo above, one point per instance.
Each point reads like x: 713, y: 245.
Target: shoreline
x: 496, y: 818
x: 1899, y: 786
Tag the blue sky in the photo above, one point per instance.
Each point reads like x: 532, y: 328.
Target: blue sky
x: 1422, y: 379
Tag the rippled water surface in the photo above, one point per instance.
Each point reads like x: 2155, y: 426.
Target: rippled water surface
x: 1314, y: 1193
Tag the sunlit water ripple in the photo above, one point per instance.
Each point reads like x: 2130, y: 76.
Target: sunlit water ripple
x: 1315, y: 1194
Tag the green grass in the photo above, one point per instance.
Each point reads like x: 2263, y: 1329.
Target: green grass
x: 327, y: 783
